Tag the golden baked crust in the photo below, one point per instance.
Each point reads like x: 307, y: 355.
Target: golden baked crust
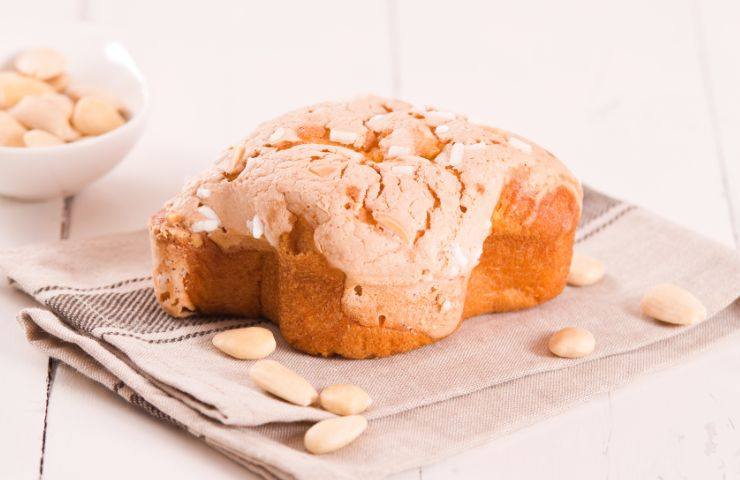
x: 322, y: 310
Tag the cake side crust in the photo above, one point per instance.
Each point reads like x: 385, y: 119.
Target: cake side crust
x: 524, y: 262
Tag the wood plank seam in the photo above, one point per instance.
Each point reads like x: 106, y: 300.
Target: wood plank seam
x: 710, y: 99
x: 50, y: 374
x: 51, y: 370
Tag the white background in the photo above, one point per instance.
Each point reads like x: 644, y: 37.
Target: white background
x: 640, y: 98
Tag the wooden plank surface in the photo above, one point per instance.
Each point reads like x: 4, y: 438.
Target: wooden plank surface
x: 716, y: 31
x: 641, y: 100
x: 23, y: 369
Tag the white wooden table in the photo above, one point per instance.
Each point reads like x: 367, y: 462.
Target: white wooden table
x: 641, y: 99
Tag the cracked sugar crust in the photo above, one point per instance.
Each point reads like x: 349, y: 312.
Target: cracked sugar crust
x: 395, y: 194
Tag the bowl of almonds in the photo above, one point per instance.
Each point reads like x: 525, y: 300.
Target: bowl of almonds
x: 72, y: 105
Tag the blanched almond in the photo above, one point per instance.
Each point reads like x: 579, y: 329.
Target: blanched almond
x: 344, y: 399
x: 59, y: 83
x: 235, y: 158
x: 48, y: 112
x: 40, y: 138
x: 41, y: 63
x: 95, y: 116
x: 672, y: 304
x: 251, y: 343
x: 584, y: 270
x: 11, y: 132
x: 322, y: 170
x: 283, y: 135
x: 283, y: 382
x: 572, y: 342
x: 14, y: 87
x: 332, y: 434
x: 76, y: 91
x: 394, y: 226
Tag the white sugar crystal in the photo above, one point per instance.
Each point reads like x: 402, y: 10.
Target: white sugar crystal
x: 205, y: 226
x: 446, y: 306
x: 208, y: 212
x: 256, y: 227
x: 441, y: 129
x: 210, y: 223
x: 403, y: 169
x: 203, y: 192
x: 418, y: 110
x: 375, y: 119
x: 276, y: 135
x: 456, y: 154
x: 342, y: 136
x: 460, y: 257
x: 282, y: 134
x: 476, y: 255
x: 520, y: 145
x: 454, y: 270
x: 441, y: 116
x: 397, y: 151
x: 251, y: 162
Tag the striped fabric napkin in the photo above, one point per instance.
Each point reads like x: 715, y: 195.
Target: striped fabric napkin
x: 494, y: 375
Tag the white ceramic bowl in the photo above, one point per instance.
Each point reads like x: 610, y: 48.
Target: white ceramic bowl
x: 94, y: 58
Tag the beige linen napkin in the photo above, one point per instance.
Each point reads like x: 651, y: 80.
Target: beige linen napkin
x: 494, y: 375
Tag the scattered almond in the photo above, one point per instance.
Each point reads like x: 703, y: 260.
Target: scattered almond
x: 251, y: 343
x: 283, y: 382
x: 344, y: 399
x: 672, y: 304
x: 584, y: 270
x: 572, y: 342
x: 332, y: 434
